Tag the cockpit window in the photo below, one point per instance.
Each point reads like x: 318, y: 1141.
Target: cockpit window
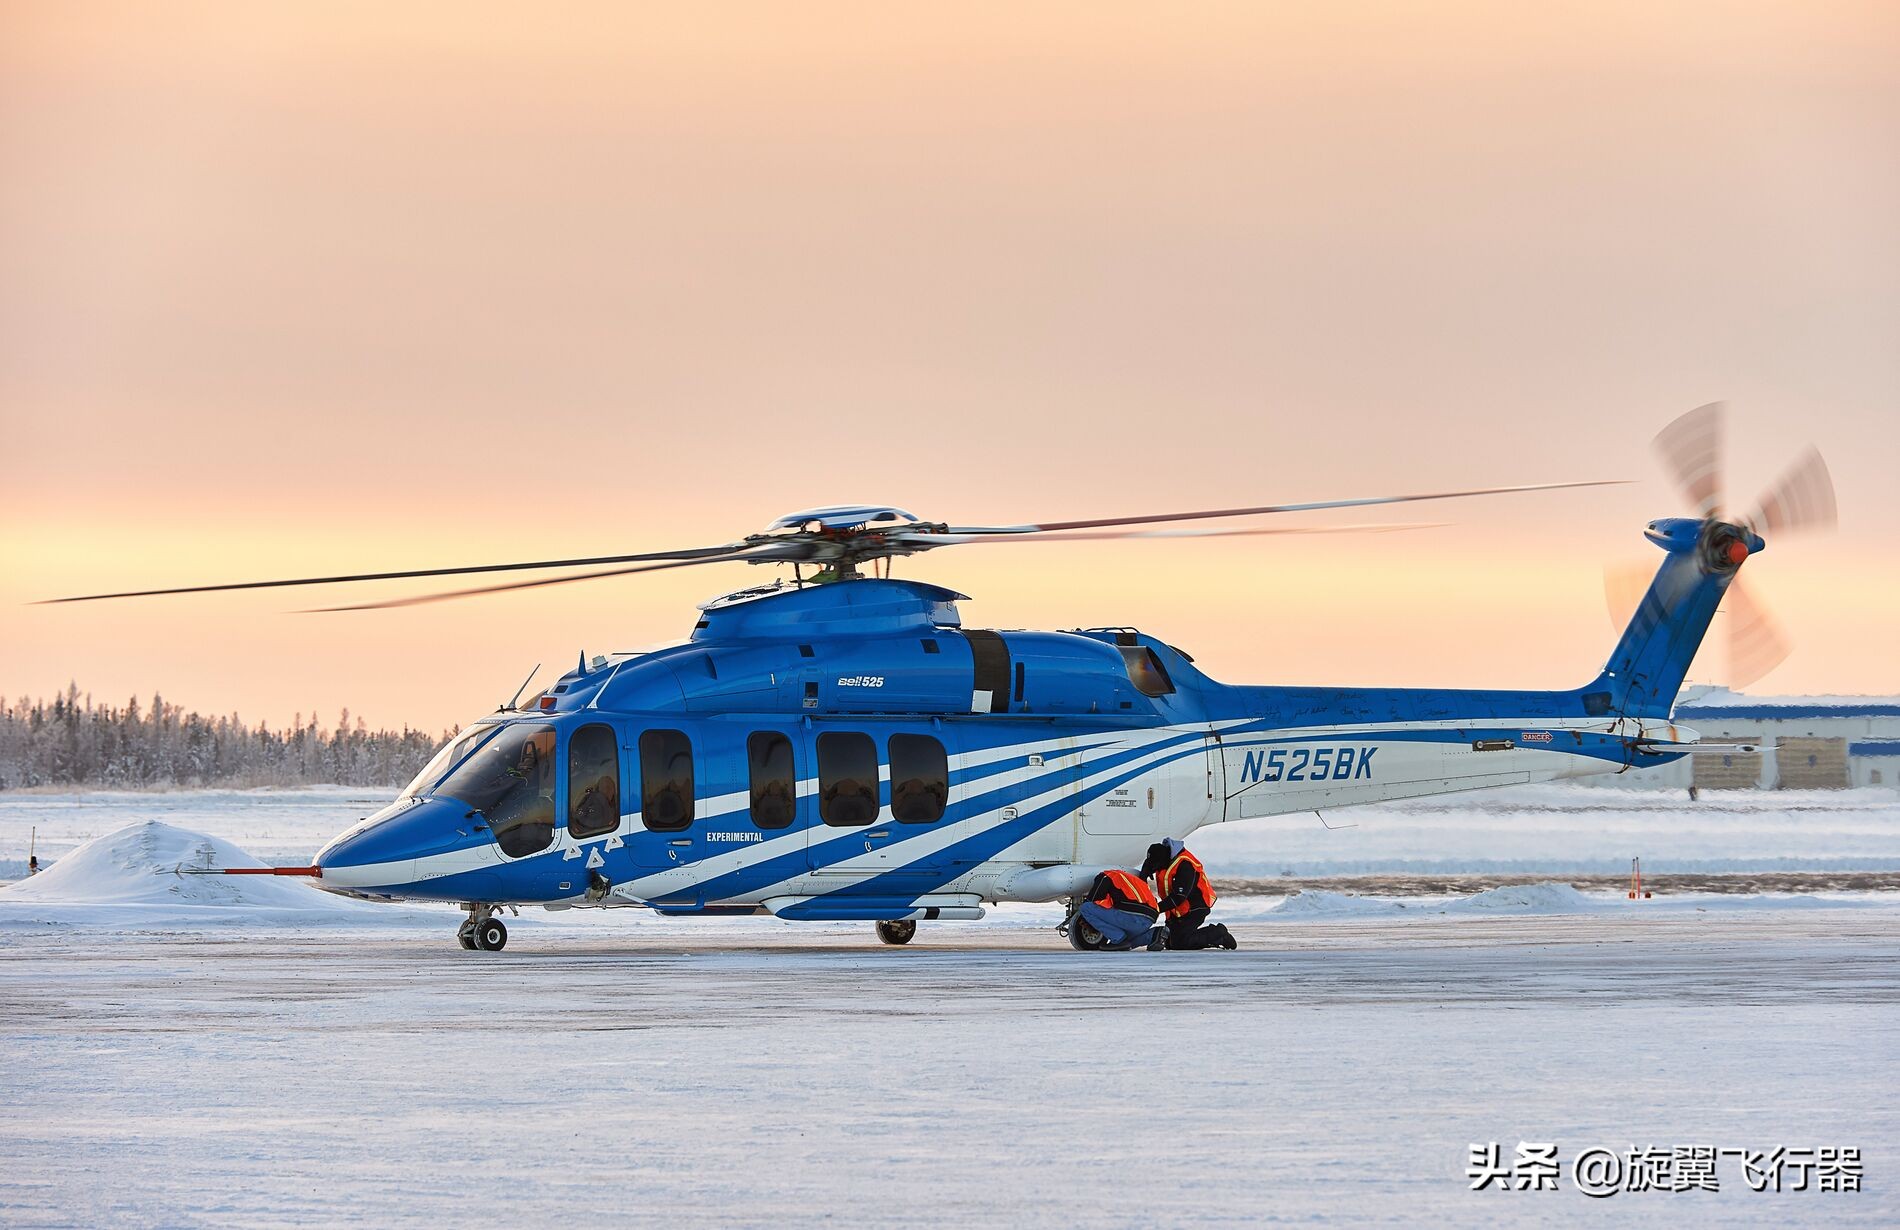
x: 510, y: 780
x: 451, y: 754
x: 1145, y: 670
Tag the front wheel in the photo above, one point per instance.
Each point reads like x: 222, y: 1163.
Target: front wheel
x: 491, y: 936
x: 897, y: 932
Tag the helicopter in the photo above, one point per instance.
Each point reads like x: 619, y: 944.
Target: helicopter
x: 837, y: 745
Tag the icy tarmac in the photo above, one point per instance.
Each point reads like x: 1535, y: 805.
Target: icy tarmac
x: 623, y: 1070
x: 183, y: 1051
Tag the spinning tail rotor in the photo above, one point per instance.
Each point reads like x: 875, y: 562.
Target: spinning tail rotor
x: 1801, y: 500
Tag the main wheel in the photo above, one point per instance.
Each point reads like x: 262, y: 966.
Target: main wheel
x: 897, y: 932
x: 466, y: 937
x: 1084, y: 937
x: 491, y: 936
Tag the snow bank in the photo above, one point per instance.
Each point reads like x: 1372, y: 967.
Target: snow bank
x: 1323, y: 903
x: 1546, y: 898
x: 1515, y: 899
x: 140, y: 876
x: 282, y: 827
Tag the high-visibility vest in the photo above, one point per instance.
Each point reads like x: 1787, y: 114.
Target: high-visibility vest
x: 1127, y: 891
x: 1200, y: 896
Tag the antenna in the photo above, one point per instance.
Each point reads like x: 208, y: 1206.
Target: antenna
x: 521, y: 689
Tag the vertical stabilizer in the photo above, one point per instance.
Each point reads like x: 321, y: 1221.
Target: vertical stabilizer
x: 1652, y: 658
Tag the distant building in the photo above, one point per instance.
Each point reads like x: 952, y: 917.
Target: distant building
x: 1807, y: 743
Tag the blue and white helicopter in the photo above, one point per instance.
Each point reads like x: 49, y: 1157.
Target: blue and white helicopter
x: 837, y: 745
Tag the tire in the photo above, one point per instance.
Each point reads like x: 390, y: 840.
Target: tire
x: 1085, y: 938
x: 491, y: 936
x: 897, y: 932
x: 466, y: 937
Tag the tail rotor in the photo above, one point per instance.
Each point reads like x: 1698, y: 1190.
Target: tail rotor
x: 1692, y: 449
x: 1800, y: 501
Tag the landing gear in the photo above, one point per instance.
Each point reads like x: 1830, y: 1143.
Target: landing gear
x: 897, y: 932
x: 482, y: 930
x: 1081, y: 936
x: 1084, y: 937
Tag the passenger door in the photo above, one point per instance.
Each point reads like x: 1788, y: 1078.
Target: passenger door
x: 666, y: 842
x: 880, y: 797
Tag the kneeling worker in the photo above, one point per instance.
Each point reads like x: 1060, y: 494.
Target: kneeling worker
x: 1185, y: 895
x: 1123, y: 910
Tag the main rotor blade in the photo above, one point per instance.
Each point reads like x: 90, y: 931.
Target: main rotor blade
x: 420, y: 599
x: 1692, y: 449
x: 692, y: 554
x: 1274, y: 508
x: 1801, y: 499
x: 946, y: 540
x: 1756, y: 643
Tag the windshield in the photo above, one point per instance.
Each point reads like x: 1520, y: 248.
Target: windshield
x: 451, y: 754
x: 510, y: 780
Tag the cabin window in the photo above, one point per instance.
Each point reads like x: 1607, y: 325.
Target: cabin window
x: 847, y: 778
x: 920, y: 779
x: 774, y: 781
x: 1145, y: 671
x: 593, y: 781
x: 666, y: 780
x: 510, y: 781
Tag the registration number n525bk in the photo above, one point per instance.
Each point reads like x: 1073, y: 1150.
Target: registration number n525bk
x: 1309, y: 764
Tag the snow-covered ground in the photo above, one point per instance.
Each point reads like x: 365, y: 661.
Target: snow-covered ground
x: 1562, y: 830
x: 631, y: 1071
x: 188, y: 1051
x: 1555, y: 830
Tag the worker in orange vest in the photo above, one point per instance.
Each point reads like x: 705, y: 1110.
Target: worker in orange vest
x: 1121, y: 906
x: 1185, y: 895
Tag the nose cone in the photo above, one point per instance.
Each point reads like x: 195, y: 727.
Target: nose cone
x: 388, y: 850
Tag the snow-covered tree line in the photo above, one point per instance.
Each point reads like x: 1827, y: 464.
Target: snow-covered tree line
x: 69, y: 741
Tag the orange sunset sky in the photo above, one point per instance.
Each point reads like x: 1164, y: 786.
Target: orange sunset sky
x: 291, y: 289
